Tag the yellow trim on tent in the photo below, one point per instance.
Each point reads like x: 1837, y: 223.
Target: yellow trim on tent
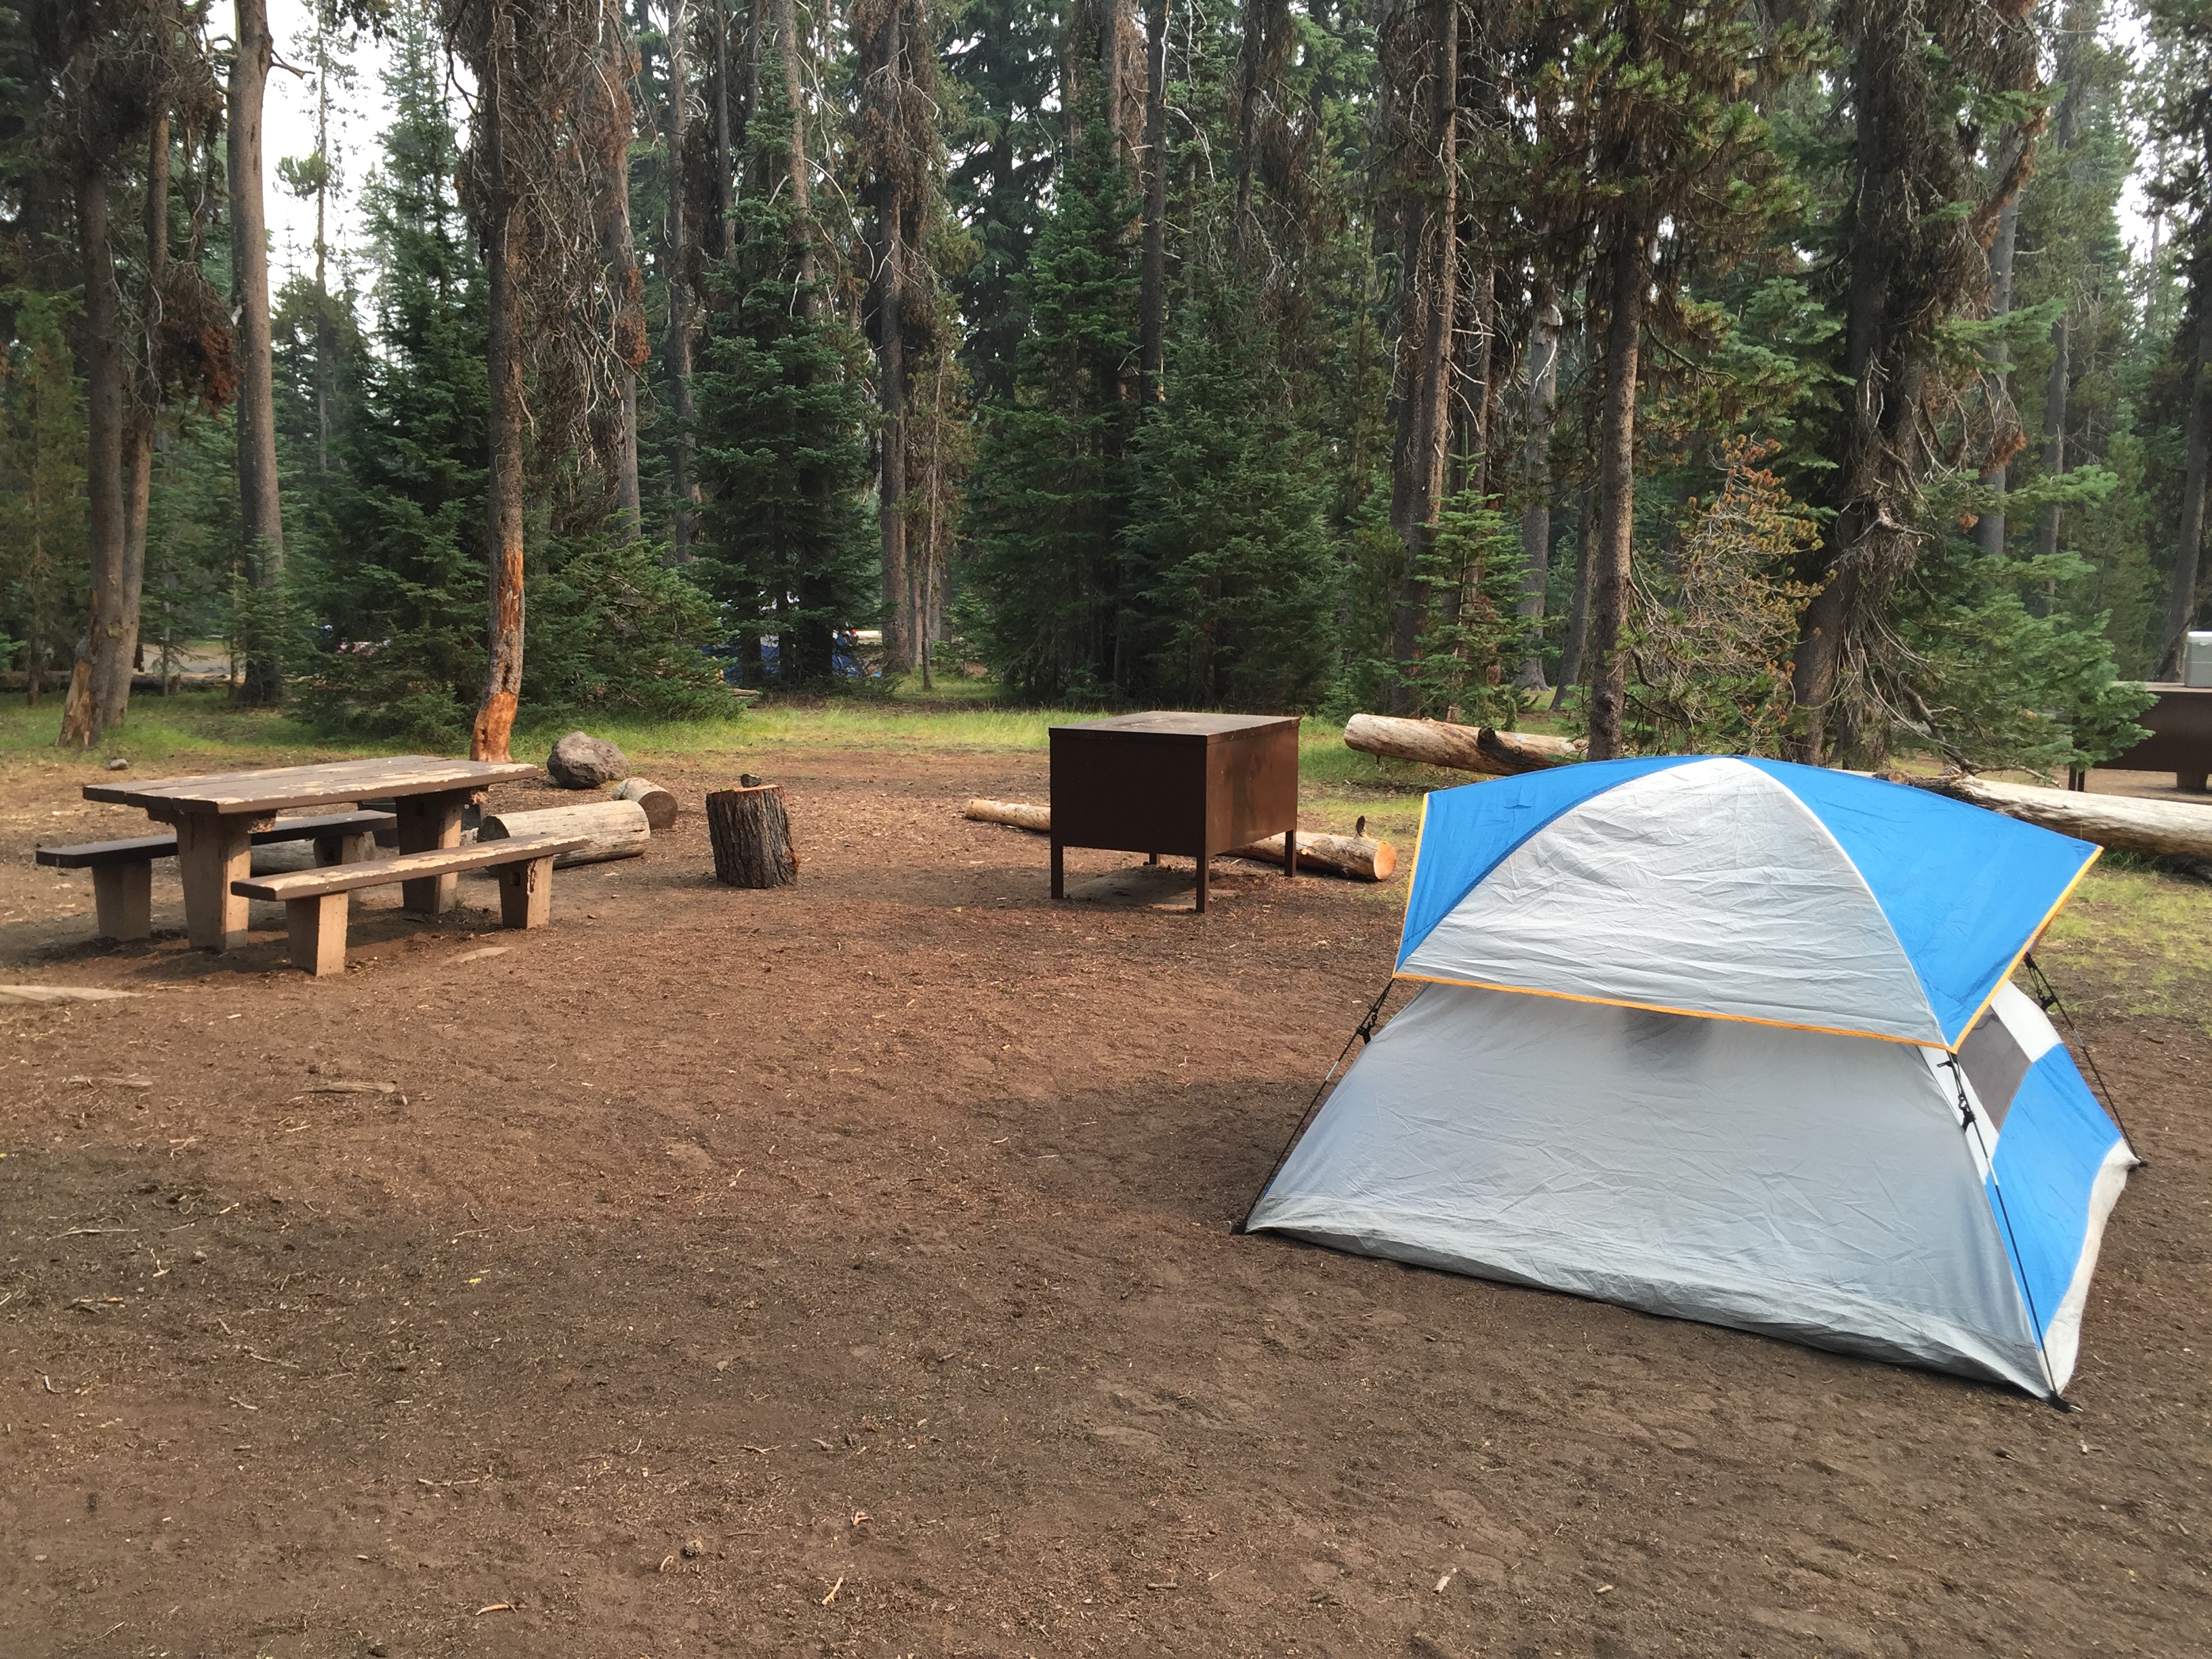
x: 1413, y: 870
x: 2013, y: 967
x: 1690, y: 1013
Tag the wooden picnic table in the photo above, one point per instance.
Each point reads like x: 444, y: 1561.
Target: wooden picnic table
x: 216, y: 816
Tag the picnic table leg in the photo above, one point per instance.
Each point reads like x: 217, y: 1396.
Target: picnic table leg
x: 123, y: 894
x: 317, y: 930
x: 428, y: 823
x: 214, y: 850
x: 526, y: 894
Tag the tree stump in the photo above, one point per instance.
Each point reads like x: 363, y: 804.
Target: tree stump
x: 751, y: 836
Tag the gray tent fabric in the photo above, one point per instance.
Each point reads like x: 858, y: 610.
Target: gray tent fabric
x: 1708, y: 888
x: 1813, y: 1186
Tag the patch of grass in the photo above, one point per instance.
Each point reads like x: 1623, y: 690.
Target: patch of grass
x: 2135, y: 941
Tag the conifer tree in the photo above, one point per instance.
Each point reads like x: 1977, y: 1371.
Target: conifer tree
x: 783, y: 424
x: 1051, y: 491
x: 1225, y: 537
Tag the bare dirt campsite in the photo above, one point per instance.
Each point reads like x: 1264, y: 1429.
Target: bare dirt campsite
x: 847, y: 1269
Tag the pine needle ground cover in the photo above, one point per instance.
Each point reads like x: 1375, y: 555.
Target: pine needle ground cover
x: 846, y: 1268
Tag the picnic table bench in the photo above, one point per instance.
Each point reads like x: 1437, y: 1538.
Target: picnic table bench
x: 216, y: 817
x: 123, y: 871
x: 315, y: 901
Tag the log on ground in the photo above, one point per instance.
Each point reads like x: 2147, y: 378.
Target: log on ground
x: 751, y: 836
x: 2122, y: 822
x: 660, y: 806
x: 612, y: 829
x: 1018, y: 814
x: 1483, y: 748
x: 1356, y: 856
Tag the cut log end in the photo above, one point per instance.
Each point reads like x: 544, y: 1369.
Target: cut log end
x: 660, y: 806
x: 750, y: 834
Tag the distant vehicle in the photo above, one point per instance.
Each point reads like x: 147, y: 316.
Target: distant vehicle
x: 845, y: 660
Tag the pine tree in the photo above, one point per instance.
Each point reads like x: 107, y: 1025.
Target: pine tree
x: 399, y: 585
x: 784, y: 419
x: 1226, y: 537
x: 1050, y: 497
x: 42, y: 531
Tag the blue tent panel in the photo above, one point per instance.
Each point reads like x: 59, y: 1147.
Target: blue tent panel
x: 1965, y: 889
x: 2056, y: 1141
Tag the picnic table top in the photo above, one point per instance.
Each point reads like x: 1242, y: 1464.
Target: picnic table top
x: 278, y: 787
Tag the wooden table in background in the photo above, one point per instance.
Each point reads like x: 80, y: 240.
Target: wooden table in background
x: 216, y: 816
x: 1171, y: 782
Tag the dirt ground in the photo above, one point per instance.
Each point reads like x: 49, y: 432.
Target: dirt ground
x: 665, y: 1303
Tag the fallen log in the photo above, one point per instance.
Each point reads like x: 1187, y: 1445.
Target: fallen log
x: 2122, y: 822
x: 1482, y: 749
x: 750, y: 834
x: 1018, y: 814
x: 611, y: 829
x: 660, y: 806
x: 1356, y: 856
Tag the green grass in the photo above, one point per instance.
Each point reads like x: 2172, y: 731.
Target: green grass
x: 2135, y: 941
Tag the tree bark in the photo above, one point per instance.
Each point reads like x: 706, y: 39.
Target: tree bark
x: 81, y: 722
x: 680, y: 287
x: 1990, y: 528
x: 1572, y: 650
x: 1482, y: 749
x: 138, y: 443
x: 750, y: 832
x: 261, y: 516
x: 503, y: 352
x: 1613, y: 546
x: 2189, y: 541
x: 1536, y: 475
x: 1152, y: 270
x: 887, y: 85
x: 609, y: 122
x: 725, y: 199
x: 1423, y: 419
x: 786, y: 40
x: 2054, y: 432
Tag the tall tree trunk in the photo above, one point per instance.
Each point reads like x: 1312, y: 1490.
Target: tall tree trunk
x: 82, y: 721
x: 1536, y: 475
x: 725, y: 199
x: 802, y: 195
x: 1990, y: 528
x: 2189, y: 540
x: 2054, y: 432
x: 679, y: 287
x: 887, y: 87
x: 503, y: 354
x: 138, y: 442
x: 608, y: 122
x: 1152, y: 277
x: 1612, y: 548
x: 1571, y: 652
x: 261, y: 516
x: 1424, y: 418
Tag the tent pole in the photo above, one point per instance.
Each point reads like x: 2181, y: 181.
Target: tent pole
x: 1365, y: 1029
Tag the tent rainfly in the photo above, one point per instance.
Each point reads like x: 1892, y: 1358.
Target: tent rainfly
x: 1734, y: 1041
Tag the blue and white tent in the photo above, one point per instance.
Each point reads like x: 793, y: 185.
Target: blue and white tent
x: 1736, y: 1041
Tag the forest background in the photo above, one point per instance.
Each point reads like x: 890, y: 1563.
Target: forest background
x: 1771, y: 378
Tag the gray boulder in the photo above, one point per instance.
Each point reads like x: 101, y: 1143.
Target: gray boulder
x: 580, y: 762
